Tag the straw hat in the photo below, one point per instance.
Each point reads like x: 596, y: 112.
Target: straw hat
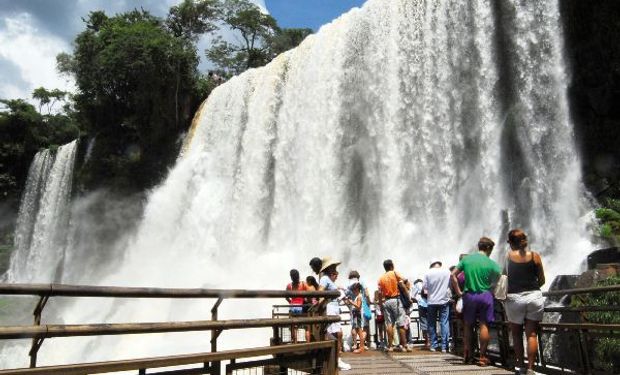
x: 328, y: 262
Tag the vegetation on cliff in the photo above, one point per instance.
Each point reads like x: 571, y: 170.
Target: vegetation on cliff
x: 606, y: 350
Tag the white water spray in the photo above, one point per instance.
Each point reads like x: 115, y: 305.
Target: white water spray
x: 43, y: 217
x: 401, y: 131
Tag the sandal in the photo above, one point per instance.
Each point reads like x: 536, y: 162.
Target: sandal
x: 483, y: 361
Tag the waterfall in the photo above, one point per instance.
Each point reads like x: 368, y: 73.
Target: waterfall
x: 406, y: 129
x: 40, y: 233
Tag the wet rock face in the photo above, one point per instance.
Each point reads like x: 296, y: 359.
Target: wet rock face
x: 604, y: 257
x: 592, y: 30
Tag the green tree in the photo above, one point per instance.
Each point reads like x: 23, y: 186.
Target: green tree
x: 286, y: 39
x: 255, y: 29
x: 137, y: 91
x: 49, y: 98
x: 23, y: 132
x: 190, y: 19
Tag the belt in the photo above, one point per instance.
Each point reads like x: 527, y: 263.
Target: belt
x: 391, y: 297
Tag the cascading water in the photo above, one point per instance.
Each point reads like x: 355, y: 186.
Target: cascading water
x: 43, y: 217
x: 402, y: 130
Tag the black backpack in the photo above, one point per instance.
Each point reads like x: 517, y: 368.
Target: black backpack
x: 404, y: 297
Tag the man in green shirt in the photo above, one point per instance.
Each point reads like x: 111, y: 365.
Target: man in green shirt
x: 480, y: 273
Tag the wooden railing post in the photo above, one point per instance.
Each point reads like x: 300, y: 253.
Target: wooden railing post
x: 37, y: 341
x: 215, y: 366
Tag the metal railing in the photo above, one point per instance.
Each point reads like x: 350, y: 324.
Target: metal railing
x: 324, y: 350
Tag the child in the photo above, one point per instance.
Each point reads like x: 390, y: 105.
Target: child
x: 357, y: 321
x: 296, y: 302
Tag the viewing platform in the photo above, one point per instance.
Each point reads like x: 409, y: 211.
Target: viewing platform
x: 417, y: 362
x: 285, y: 355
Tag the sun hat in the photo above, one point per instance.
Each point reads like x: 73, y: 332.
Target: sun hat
x: 436, y: 261
x: 328, y: 262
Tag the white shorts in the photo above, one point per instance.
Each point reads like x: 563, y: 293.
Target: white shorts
x: 333, y: 308
x: 525, y: 305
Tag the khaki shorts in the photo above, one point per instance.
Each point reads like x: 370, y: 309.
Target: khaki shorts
x: 525, y: 305
x: 394, y: 312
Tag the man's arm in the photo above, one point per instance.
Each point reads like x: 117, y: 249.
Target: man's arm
x: 455, y: 282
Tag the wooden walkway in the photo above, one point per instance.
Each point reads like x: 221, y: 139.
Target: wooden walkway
x: 418, y: 362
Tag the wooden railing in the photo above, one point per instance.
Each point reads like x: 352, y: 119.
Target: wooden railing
x: 579, y: 334
x: 323, y: 350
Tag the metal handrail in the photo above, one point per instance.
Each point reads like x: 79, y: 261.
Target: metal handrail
x: 168, y: 361
x: 65, y: 290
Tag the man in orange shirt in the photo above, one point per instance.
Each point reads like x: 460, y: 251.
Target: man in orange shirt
x: 393, y: 308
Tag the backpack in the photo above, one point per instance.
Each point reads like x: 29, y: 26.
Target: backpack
x: 404, y: 295
x: 366, y: 310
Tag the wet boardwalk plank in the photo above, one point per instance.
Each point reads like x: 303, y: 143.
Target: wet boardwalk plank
x: 418, y: 362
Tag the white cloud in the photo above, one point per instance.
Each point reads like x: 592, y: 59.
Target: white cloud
x: 34, y: 56
x: 33, y: 33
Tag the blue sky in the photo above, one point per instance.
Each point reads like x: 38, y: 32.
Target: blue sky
x: 308, y: 13
x: 33, y: 32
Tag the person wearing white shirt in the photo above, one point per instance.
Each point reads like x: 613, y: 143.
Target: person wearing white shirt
x: 437, y: 286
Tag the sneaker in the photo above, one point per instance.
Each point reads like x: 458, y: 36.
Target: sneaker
x: 342, y: 365
x: 444, y: 350
x: 530, y: 372
x: 433, y: 349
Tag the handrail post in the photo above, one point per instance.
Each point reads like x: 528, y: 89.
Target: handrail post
x: 37, y: 341
x: 216, y: 365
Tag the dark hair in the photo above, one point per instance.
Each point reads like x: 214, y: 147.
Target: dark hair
x: 312, y: 281
x: 354, y: 275
x: 452, y: 268
x: 357, y: 286
x: 515, y: 236
x: 316, y: 264
x: 331, y: 270
x: 295, y: 277
x: 485, y: 244
x: 388, y: 265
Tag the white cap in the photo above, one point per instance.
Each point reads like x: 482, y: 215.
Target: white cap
x: 436, y: 261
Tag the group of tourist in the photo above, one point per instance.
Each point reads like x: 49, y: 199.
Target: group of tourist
x: 472, y: 281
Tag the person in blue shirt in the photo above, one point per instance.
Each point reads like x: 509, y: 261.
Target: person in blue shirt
x: 418, y: 294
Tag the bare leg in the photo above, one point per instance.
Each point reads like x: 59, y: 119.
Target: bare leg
x: 467, y: 341
x: 339, y: 337
x: 402, y: 336
x: 484, y: 339
x: 294, y: 334
x: 531, y: 333
x: 362, y: 336
x: 390, y: 335
x: 517, y: 340
x: 353, y: 338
